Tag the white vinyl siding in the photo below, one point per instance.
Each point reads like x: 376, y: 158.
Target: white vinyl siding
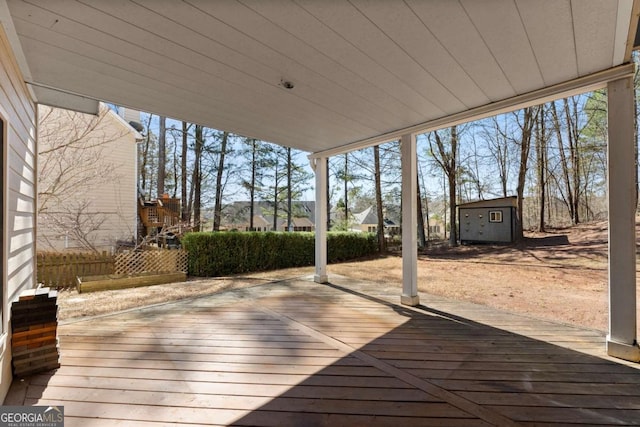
x: 111, y: 199
x: 18, y: 114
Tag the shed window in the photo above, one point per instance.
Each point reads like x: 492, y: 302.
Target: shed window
x: 495, y: 216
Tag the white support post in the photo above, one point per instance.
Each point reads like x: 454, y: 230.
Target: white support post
x: 320, y: 169
x: 622, y: 337
x: 409, y: 221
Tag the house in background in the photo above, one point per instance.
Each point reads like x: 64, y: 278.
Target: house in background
x: 435, y: 227
x: 299, y: 224
x: 86, y: 180
x: 488, y: 221
x: 367, y: 222
x: 235, y: 216
x: 260, y: 223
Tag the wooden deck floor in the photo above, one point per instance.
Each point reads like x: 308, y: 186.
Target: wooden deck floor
x: 299, y: 353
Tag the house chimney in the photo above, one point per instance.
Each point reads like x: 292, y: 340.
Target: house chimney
x: 132, y: 117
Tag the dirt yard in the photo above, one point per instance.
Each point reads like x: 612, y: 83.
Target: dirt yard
x: 560, y: 276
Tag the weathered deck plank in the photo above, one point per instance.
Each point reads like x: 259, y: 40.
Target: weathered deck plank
x: 298, y: 353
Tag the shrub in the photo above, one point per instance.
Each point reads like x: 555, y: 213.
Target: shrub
x: 224, y: 253
x: 345, y: 246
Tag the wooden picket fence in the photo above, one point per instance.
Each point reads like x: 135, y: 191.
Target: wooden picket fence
x: 60, y: 270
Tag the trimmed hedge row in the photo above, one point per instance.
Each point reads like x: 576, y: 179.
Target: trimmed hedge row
x: 224, y: 253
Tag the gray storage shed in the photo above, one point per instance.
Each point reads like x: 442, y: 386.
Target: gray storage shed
x: 488, y: 221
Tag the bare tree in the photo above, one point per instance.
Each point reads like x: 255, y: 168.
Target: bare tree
x: 497, y: 138
x: 256, y: 153
x: 162, y: 154
x: 570, y: 152
x: 444, y: 152
x: 78, y: 220
x: 422, y: 239
x: 196, y: 181
x: 186, y: 212
x: 217, y: 209
x: 526, y: 130
x: 378, y: 188
x: 175, y: 162
x: 289, y: 192
x: 70, y: 146
x: 343, y: 171
x: 541, y: 165
x: 346, y: 186
x: 147, y: 158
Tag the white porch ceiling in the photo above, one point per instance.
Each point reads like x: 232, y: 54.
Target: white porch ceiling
x: 360, y: 68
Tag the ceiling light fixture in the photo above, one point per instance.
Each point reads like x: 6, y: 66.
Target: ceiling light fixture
x: 287, y: 84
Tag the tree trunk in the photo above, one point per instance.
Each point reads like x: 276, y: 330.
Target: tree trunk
x: 574, y: 152
x: 447, y: 159
x: 252, y: 187
x: 541, y: 151
x: 289, y: 216
x: 328, y: 198
x: 144, y: 161
x: 422, y: 239
x: 453, y: 168
x: 183, y: 168
x: 197, y: 176
x: 275, y: 195
x: 428, y: 227
x: 525, y: 147
x: 176, y: 170
x: 453, y: 232
x: 217, y: 209
x: 382, y: 246
x: 568, y: 193
x: 346, y: 191
x: 162, y: 154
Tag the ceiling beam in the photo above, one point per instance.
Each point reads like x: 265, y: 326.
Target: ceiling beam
x: 633, y: 29
x: 577, y: 86
x: 69, y: 101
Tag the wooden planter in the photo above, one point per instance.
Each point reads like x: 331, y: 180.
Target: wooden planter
x: 123, y: 281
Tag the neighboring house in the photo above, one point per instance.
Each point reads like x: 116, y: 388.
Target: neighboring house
x: 436, y: 227
x: 86, y: 180
x: 160, y: 215
x: 367, y: 221
x: 235, y: 216
x: 260, y: 223
x: 489, y: 221
x: 298, y: 223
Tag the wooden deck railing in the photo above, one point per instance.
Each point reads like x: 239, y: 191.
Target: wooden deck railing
x: 160, y: 213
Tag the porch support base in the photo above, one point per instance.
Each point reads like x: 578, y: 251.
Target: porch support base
x: 410, y: 300
x: 321, y: 278
x: 623, y: 351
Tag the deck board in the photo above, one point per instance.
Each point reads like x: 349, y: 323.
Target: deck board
x: 299, y: 353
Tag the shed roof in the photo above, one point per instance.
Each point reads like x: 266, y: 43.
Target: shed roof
x: 511, y: 201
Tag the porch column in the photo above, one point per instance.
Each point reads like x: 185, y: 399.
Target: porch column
x: 409, y: 221
x: 621, y: 340
x: 320, y: 169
